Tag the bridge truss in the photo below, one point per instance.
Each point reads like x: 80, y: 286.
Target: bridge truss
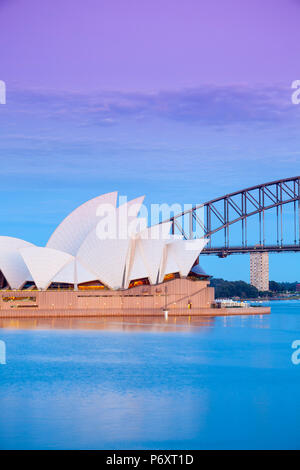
x: 220, y: 217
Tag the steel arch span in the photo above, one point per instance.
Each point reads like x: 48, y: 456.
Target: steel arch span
x: 233, y: 212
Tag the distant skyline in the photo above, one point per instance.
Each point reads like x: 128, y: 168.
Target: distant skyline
x: 180, y: 101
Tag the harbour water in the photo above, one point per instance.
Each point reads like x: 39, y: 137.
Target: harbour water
x: 180, y: 383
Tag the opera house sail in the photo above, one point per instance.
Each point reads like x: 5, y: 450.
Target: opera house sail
x: 103, y: 260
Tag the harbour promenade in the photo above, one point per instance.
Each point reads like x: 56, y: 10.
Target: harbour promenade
x: 179, y: 297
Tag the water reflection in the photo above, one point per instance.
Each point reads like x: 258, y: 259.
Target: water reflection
x: 156, y: 324
x: 229, y: 382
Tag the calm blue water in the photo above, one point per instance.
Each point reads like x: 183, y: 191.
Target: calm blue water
x: 216, y: 384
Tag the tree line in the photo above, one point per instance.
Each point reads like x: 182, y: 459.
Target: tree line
x: 243, y: 290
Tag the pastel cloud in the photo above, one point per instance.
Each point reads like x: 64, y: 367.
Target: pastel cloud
x: 210, y: 105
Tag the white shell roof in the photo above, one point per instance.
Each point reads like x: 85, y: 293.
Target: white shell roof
x: 107, y: 258
x: 71, y: 274
x: 168, y: 263
x: 80, y: 250
x: 186, y: 252
x: 148, y: 253
x: 137, y: 268
x: 11, y: 262
x: 72, y: 231
x: 180, y: 256
x: 44, y: 264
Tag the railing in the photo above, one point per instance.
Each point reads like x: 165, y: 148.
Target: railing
x: 219, y: 215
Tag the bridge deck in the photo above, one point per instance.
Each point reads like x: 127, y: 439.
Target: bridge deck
x: 225, y: 251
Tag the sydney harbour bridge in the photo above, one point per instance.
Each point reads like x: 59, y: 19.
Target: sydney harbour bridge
x: 259, y: 219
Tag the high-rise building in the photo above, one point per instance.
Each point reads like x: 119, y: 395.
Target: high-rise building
x: 259, y: 271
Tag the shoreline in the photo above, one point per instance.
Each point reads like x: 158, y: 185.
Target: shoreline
x: 177, y: 297
x: 270, y: 299
x: 96, y: 313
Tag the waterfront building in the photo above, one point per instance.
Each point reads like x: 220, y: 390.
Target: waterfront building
x: 103, y: 260
x: 78, y: 256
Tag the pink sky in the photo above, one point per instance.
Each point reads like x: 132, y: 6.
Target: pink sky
x: 180, y: 100
x: 148, y: 45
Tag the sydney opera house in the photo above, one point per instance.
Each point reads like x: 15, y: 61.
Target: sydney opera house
x: 92, y: 266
